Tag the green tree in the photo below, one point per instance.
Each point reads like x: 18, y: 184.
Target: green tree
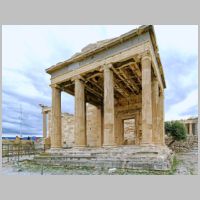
x: 176, y: 130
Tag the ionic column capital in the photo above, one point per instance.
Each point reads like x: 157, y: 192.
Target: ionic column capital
x: 146, y: 57
x: 55, y: 86
x: 108, y: 66
x: 78, y: 77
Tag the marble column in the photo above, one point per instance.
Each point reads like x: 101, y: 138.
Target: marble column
x: 190, y: 128
x: 56, y: 118
x: 49, y: 123
x: 146, y: 101
x: 119, y: 132
x: 44, y: 125
x: 109, y: 134
x: 80, y: 114
x: 161, y: 117
x: 155, y: 96
x: 102, y: 125
x: 99, y: 127
x: 137, y: 131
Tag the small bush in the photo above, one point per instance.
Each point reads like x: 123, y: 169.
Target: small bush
x: 176, y: 130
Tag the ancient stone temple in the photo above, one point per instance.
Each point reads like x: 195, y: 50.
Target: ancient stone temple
x: 123, y: 79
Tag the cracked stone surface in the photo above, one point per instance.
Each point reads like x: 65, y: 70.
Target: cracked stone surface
x: 188, y: 162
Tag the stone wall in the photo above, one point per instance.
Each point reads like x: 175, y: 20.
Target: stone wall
x: 93, y: 128
x: 94, y: 123
x: 129, y: 131
x: 183, y: 145
x: 67, y: 130
x: 95, y: 135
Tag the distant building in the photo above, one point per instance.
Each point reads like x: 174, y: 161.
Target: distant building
x: 191, y: 125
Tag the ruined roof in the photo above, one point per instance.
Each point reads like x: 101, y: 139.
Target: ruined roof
x: 101, y: 45
x: 92, y: 46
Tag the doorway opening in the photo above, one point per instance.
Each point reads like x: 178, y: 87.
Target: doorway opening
x: 129, y: 131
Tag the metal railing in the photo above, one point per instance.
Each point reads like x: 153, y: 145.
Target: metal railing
x: 14, y: 152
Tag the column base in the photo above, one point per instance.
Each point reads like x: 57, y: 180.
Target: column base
x: 148, y: 144
x: 109, y: 145
x: 56, y: 148
x: 79, y: 146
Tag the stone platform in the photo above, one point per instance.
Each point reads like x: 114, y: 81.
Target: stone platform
x: 123, y: 157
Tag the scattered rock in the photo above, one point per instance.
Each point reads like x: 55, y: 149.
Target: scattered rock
x: 19, y: 170
x: 112, y: 170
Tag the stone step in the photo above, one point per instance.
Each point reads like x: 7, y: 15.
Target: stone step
x: 134, y: 163
x: 142, y: 157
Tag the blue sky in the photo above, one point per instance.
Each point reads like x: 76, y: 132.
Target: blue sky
x: 28, y: 50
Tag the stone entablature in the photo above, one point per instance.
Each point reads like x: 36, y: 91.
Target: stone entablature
x: 123, y: 79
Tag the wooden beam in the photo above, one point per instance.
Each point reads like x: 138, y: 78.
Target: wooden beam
x: 136, y: 70
x: 120, y: 89
x: 123, y: 79
x: 90, y: 98
x: 130, y: 81
x: 93, y: 91
x: 96, y: 85
x: 125, y: 65
x: 68, y: 91
x: 94, y: 75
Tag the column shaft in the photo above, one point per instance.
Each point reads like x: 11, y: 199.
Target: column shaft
x: 161, y: 118
x: 44, y: 125
x: 137, y: 131
x: 190, y: 128
x: 49, y: 123
x: 109, y: 135
x: 56, y: 118
x: 99, y: 128
x: 146, y: 101
x: 155, y: 96
x: 80, y: 114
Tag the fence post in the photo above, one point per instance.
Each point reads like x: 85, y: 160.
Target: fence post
x: 21, y: 152
x: 8, y: 152
x: 12, y: 152
x: 18, y: 153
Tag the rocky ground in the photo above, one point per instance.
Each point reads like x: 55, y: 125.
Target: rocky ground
x: 184, y: 164
x: 187, y: 162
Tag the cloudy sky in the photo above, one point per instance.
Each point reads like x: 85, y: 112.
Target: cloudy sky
x: 28, y: 50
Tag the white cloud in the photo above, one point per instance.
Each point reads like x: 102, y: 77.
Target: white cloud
x: 180, y: 38
x: 190, y: 78
x: 176, y: 110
